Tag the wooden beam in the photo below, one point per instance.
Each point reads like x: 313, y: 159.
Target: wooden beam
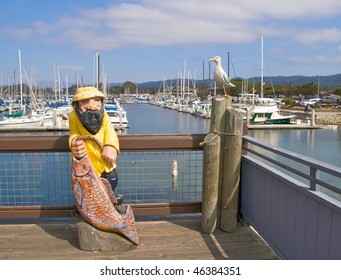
x: 127, y: 143
x: 8, y: 212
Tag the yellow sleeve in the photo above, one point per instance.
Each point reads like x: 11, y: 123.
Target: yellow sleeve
x: 73, y: 127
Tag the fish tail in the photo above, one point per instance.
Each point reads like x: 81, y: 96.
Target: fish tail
x: 129, y: 230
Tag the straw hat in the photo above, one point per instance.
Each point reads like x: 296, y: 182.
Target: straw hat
x: 85, y: 93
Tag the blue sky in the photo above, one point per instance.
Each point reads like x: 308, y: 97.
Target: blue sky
x: 151, y: 40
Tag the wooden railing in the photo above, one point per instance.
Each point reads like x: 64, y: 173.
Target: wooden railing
x: 127, y: 143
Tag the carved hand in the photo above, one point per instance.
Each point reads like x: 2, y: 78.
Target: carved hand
x: 109, y: 154
x: 78, y: 148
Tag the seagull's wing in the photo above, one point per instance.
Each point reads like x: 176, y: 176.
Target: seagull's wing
x: 226, y: 79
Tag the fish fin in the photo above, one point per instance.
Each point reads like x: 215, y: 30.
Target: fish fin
x: 122, y: 208
x: 109, y: 190
x: 130, y: 231
x: 77, y: 192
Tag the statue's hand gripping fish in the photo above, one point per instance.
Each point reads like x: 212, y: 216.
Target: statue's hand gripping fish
x: 95, y: 200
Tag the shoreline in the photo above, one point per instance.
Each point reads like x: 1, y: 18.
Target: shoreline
x: 322, y: 116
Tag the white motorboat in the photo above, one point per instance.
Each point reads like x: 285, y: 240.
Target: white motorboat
x: 268, y: 115
x: 117, y: 115
x: 262, y: 111
x: 22, y: 122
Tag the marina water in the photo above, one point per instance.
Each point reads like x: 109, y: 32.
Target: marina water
x: 321, y: 144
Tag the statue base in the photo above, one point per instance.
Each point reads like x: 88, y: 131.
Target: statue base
x: 93, y: 239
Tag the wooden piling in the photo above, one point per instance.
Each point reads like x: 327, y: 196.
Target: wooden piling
x: 218, y: 111
x: 210, y: 183
x: 217, y: 125
x: 232, y: 151
x: 313, y: 117
x: 228, y: 123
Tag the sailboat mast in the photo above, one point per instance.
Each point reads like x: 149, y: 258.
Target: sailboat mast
x: 97, y: 69
x: 184, y: 80
x: 59, y: 85
x: 228, y: 64
x: 228, y: 67
x: 262, y: 69
x: 20, y: 77
x: 54, y: 80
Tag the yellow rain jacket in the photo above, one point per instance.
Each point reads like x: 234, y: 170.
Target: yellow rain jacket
x: 106, y: 135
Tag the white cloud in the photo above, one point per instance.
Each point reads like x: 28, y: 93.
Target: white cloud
x: 314, y: 36
x: 21, y: 34
x: 316, y: 60
x: 43, y: 28
x: 190, y: 22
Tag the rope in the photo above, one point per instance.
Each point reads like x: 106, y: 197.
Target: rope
x: 217, y: 133
x: 91, y: 138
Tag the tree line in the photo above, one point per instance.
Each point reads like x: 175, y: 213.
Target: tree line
x: 203, y: 90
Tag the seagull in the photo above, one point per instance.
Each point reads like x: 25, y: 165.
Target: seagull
x: 220, y: 75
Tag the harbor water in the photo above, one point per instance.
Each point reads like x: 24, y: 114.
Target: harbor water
x: 321, y: 144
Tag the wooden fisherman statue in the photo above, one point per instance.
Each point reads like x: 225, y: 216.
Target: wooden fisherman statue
x: 94, y: 146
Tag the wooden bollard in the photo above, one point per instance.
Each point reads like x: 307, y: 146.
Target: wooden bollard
x: 219, y: 106
x: 210, y: 183
x: 232, y: 150
x: 217, y: 124
x: 228, y: 122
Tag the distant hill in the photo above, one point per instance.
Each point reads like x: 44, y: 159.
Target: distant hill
x: 332, y: 81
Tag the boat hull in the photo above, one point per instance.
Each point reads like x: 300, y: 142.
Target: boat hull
x: 279, y: 121
x: 21, y: 123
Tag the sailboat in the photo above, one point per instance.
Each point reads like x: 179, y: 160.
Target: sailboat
x: 19, y: 119
x: 263, y: 110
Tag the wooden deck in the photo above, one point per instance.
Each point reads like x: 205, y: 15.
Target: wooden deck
x: 172, y: 238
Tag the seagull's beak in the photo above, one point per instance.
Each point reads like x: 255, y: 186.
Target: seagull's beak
x: 212, y: 59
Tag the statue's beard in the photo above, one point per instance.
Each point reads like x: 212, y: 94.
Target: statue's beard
x: 91, y: 120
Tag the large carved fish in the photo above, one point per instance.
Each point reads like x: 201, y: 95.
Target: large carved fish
x: 95, y: 200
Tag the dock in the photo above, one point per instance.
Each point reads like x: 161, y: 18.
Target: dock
x: 174, y: 237
x: 283, y: 126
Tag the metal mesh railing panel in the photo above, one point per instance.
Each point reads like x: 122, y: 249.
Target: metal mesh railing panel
x: 44, y: 179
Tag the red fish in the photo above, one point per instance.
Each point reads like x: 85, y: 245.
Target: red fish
x: 95, y: 200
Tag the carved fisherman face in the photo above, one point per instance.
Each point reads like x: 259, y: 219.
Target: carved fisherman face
x: 90, y: 113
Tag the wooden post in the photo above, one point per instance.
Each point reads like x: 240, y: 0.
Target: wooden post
x: 217, y: 124
x: 228, y: 122
x: 313, y: 117
x: 232, y: 149
x: 247, y: 117
x: 210, y: 183
x: 219, y: 106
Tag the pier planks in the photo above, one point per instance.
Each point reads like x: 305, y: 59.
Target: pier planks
x: 172, y: 239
